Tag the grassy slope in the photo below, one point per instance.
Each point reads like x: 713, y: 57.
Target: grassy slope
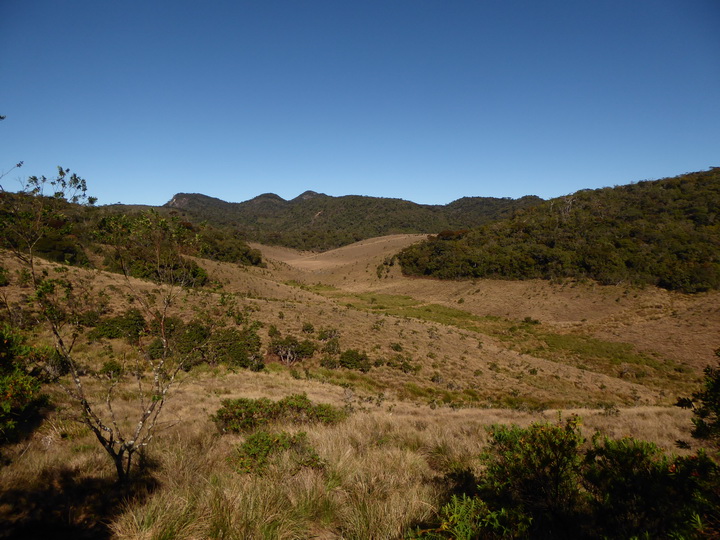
x: 383, y: 463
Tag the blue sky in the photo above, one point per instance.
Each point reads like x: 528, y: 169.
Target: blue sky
x: 422, y: 100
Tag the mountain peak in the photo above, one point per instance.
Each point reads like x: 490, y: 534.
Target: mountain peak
x: 307, y: 195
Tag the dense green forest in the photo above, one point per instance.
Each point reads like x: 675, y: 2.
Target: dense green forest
x: 664, y: 233
x: 316, y: 221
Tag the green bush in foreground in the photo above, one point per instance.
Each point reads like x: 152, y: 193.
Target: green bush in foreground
x: 544, y: 481
x: 244, y: 414
x: 19, y: 391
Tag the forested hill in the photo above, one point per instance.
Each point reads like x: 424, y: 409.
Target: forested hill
x: 320, y: 222
x: 664, y: 232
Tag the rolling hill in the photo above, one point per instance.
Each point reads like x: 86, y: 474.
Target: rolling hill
x: 319, y: 222
x: 664, y: 233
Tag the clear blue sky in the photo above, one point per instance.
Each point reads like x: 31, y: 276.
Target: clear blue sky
x: 416, y: 99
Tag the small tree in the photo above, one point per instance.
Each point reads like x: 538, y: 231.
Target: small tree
x: 63, y: 302
x: 705, y: 405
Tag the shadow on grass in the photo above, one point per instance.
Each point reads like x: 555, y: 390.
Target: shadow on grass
x: 60, y: 505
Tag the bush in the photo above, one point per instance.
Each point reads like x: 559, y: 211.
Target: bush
x: 19, y: 391
x: 290, y: 350
x: 331, y: 346
x: 637, y: 490
x: 468, y: 518
x: 543, y: 482
x: 253, y: 456
x: 130, y: 325
x: 326, y: 334
x: 237, y: 348
x: 354, y: 359
x: 329, y: 362
x: 706, y: 415
x: 536, y: 470
x: 112, y: 369
x: 244, y: 414
x: 4, y: 277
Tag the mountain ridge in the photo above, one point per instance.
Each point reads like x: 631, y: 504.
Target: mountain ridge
x: 318, y: 221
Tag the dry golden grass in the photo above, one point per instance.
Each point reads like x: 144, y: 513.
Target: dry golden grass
x: 385, y: 465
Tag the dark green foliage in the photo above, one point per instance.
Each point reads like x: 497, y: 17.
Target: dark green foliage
x: 19, y: 391
x: 237, y: 348
x: 61, y: 247
x: 536, y: 470
x: 329, y: 362
x: 254, y: 455
x: 331, y: 346
x: 317, y: 221
x: 663, y: 233
x: 290, y: 350
x: 130, y: 325
x: 543, y: 481
x: 150, y: 246
x: 308, y: 328
x: 470, y: 518
x: 34, y: 223
x: 226, y: 245
x: 243, y: 414
x: 190, y: 337
x: 196, y: 343
x: 4, y: 277
x: 706, y: 415
x: 112, y: 369
x: 354, y: 359
x: 635, y: 489
x: 326, y: 334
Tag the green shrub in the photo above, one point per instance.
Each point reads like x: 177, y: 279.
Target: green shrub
x: 244, y: 414
x: 329, y: 362
x: 544, y: 482
x: 111, y: 369
x: 536, y: 470
x: 308, y: 328
x: 331, y: 346
x: 19, y: 391
x: 290, y: 350
x: 130, y: 325
x: 237, y: 348
x: 326, y: 334
x: 706, y: 415
x: 254, y: 455
x: 354, y: 359
x: 636, y: 490
x: 469, y: 518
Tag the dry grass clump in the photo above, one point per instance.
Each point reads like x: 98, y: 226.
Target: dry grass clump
x: 366, y: 489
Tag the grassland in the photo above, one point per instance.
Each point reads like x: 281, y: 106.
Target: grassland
x: 446, y: 361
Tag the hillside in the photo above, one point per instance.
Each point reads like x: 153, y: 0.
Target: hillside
x: 664, y: 233
x: 411, y: 376
x: 317, y: 221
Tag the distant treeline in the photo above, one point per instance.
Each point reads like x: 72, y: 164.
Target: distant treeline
x: 314, y: 221
x: 664, y: 233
